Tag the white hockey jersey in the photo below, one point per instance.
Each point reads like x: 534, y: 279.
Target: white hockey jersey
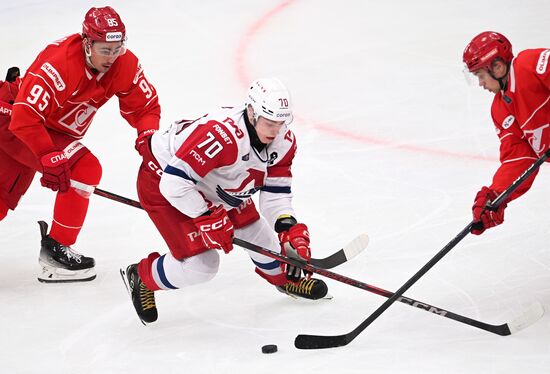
x: 210, y: 161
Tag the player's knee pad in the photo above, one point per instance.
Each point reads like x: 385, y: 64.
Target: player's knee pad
x: 86, y: 174
x: 193, y: 270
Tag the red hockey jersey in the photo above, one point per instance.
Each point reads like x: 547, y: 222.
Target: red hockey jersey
x: 521, y: 115
x: 60, y: 92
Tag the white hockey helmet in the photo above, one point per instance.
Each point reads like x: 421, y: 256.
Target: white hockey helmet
x: 270, y: 99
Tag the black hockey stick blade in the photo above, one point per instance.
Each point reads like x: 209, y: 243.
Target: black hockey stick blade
x: 526, y: 319
x: 303, y: 341
x: 310, y: 342
x: 319, y: 341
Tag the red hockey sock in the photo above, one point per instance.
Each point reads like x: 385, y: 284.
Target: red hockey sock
x: 145, y: 271
x: 71, y: 207
x: 68, y: 216
x: 276, y: 280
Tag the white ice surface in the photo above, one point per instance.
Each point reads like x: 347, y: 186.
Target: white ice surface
x: 392, y: 142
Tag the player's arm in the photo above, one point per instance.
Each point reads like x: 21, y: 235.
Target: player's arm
x: 276, y: 195
x: 539, y: 67
x: 276, y: 207
x: 138, y: 101
x: 516, y: 155
x: 33, y: 104
x: 35, y: 101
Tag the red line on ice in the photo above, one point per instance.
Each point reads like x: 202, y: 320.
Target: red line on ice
x: 244, y: 80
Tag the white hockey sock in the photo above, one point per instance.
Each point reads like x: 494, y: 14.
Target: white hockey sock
x: 170, y: 273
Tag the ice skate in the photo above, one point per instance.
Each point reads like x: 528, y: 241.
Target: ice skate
x: 142, y: 297
x: 60, y: 263
x: 312, y: 289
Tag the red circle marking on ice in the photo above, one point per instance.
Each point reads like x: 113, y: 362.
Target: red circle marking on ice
x: 244, y: 80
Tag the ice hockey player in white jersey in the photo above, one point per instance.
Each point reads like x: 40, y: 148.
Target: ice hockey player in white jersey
x: 196, y: 185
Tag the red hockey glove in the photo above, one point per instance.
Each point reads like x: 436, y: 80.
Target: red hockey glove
x: 143, y: 141
x: 216, y: 230
x: 484, y: 218
x: 295, y: 244
x: 56, y: 174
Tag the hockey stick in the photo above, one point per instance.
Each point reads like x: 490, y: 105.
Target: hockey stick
x: 353, y: 248
x: 532, y: 314
x: 323, y: 341
x: 346, y: 253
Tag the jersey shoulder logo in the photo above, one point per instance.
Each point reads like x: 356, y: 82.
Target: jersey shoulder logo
x: 542, y: 63
x: 54, y: 76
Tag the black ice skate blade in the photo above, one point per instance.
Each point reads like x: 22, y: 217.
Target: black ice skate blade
x: 67, y: 280
x: 125, y: 281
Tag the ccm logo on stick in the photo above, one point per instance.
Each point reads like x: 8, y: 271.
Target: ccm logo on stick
x: 417, y: 304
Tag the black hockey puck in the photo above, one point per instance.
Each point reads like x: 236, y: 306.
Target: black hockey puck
x: 270, y: 348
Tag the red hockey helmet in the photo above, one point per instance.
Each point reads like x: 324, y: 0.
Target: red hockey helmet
x: 104, y: 25
x: 485, y: 48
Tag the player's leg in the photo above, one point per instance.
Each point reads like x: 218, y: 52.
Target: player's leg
x: 15, y: 180
x: 261, y: 234
x: 17, y: 168
x: 60, y: 262
x: 188, y: 263
x: 71, y: 207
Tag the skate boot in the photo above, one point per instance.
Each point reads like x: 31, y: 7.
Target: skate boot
x: 60, y: 263
x: 312, y: 289
x: 142, y: 297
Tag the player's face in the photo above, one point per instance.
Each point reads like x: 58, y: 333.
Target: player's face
x: 486, y: 81
x: 104, y: 55
x: 267, y: 129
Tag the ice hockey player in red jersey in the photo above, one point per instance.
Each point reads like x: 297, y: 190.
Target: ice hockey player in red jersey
x: 520, y: 112
x: 56, y: 103
x: 196, y: 185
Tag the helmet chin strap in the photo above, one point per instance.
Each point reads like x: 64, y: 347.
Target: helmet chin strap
x: 254, y: 138
x: 502, y: 82
x: 88, y: 54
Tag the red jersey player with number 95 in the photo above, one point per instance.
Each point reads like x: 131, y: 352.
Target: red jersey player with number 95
x: 196, y: 183
x: 52, y: 111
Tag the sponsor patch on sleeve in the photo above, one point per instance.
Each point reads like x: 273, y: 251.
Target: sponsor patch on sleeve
x: 542, y: 63
x: 508, y: 121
